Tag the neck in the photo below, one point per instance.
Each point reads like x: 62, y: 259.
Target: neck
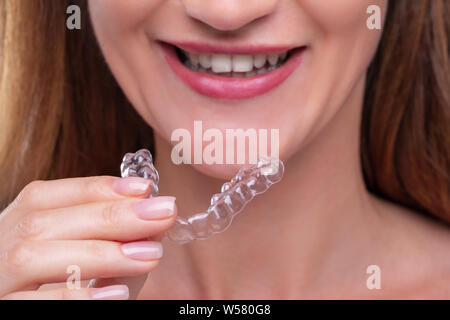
x: 302, y: 233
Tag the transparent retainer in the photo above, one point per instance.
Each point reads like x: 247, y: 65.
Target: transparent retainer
x: 232, y: 199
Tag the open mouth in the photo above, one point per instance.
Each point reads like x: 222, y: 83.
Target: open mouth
x: 231, y: 73
x: 232, y: 65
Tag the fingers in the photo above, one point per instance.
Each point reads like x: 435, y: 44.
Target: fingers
x: 116, y: 292
x: 42, y: 195
x: 40, y: 262
x: 91, y: 223
x: 134, y: 284
x: 125, y: 220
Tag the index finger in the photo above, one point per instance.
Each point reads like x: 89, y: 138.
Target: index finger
x: 52, y: 194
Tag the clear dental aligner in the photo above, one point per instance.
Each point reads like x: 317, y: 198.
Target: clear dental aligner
x: 140, y: 164
x: 249, y: 181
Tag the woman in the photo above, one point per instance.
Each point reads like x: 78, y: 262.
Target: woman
x: 363, y: 117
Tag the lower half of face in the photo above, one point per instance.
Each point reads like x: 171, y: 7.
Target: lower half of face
x: 286, y: 65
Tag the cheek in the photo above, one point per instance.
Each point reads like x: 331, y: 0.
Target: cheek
x: 120, y: 28
x: 343, y: 23
x: 122, y: 15
x: 340, y: 15
x: 346, y: 45
x: 340, y: 55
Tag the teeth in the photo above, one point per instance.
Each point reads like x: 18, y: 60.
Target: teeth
x: 261, y: 71
x: 205, y: 61
x: 237, y: 65
x: 221, y: 63
x: 194, y: 59
x: 242, y: 63
x: 260, y: 60
x: 273, y: 59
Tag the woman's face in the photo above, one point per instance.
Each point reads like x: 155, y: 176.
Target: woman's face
x: 179, y: 61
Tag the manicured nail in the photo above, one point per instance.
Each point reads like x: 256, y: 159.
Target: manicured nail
x: 117, y: 292
x: 155, y: 208
x: 143, y: 250
x: 131, y: 186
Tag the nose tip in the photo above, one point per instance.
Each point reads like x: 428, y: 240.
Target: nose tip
x: 228, y: 15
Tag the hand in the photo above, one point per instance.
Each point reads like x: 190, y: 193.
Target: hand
x: 95, y: 223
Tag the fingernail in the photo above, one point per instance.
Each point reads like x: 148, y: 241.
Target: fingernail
x: 143, y: 250
x: 117, y: 292
x: 155, y: 208
x: 131, y: 186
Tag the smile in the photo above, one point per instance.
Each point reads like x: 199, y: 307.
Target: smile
x: 231, y: 72
x: 235, y: 65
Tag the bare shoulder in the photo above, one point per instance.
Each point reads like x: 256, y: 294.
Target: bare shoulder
x: 420, y: 249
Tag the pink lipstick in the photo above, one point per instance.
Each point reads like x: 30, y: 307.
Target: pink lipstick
x: 231, y: 85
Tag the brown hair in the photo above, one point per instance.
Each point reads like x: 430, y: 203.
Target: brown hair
x: 405, y: 143
x: 63, y: 114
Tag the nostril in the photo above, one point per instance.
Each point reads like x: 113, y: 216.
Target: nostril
x: 229, y: 15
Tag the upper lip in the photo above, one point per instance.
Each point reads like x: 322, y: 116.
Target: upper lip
x: 220, y: 48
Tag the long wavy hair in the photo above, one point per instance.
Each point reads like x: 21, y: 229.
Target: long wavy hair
x: 62, y: 113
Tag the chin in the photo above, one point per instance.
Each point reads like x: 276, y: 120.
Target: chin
x: 218, y: 171
x: 228, y: 171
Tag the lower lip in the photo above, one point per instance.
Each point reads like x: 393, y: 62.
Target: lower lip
x: 221, y: 87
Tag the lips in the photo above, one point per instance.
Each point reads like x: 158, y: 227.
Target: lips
x: 224, y: 79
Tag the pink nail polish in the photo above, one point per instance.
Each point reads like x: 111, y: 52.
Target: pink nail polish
x: 143, y: 250
x: 117, y: 292
x: 131, y: 186
x: 155, y: 208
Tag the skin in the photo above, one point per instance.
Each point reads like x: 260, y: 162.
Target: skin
x: 311, y: 236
